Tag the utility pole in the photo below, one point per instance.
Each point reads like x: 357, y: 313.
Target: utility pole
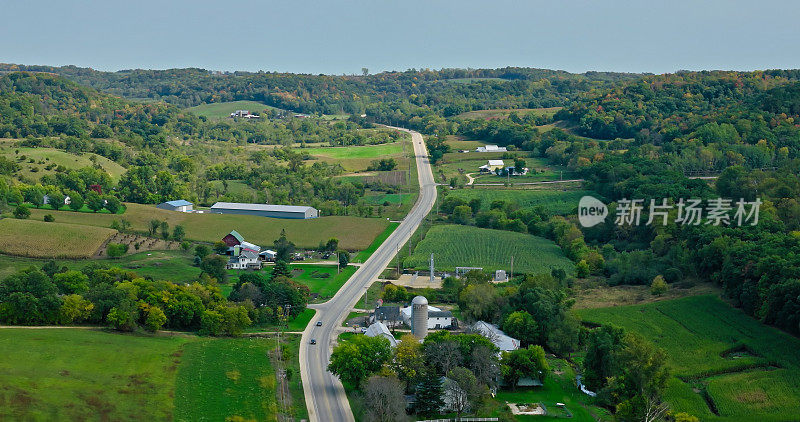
x: 398, y: 260
x: 431, y: 268
x: 512, y: 268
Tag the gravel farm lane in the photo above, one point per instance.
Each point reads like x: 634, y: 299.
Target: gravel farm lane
x: 324, y: 394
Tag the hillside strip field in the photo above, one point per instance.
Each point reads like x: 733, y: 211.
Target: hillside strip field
x: 726, y: 365
x: 467, y: 246
x: 37, y: 239
x: 354, y: 233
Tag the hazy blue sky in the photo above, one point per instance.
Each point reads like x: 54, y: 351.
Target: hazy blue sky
x: 344, y: 36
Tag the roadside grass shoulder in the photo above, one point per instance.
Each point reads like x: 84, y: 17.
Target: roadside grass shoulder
x: 363, y: 255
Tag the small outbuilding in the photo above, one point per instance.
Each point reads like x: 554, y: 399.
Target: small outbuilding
x: 179, y: 205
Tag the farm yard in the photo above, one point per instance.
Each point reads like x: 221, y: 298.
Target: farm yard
x: 458, y: 164
x: 554, y: 200
x: 559, y: 387
x: 38, y: 239
x: 726, y: 365
x: 354, y: 233
x: 456, y: 246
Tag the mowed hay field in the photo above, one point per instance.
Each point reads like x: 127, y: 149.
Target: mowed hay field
x: 77, y: 374
x: 354, y: 233
x: 467, y: 246
x: 556, y: 201
x: 358, y: 158
x: 746, y: 371
x: 37, y: 239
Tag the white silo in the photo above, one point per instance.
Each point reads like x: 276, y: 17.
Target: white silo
x: 419, y: 317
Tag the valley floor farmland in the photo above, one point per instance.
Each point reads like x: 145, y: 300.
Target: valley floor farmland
x: 354, y: 233
x: 726, y: 365
x: 467, y: 246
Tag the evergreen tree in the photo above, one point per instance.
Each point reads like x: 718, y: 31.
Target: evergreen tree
x: 281, y: 269
x: 428, y: 399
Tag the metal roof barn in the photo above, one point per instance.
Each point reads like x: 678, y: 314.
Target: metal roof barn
x: 266, y: 210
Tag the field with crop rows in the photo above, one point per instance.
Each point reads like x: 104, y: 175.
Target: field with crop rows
x: 38, y: 239
x: 354, y: 233
x: 748, y: 370
x: 467, y: 246
x: 554, y: 200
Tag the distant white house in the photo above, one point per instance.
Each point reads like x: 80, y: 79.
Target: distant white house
x: 491, y: 166
x: 179, y: 205
x: 379, y: 329
x: 46, y: 200
x: 437, y: 318
x: 491, y: 148
x: 500, y: 339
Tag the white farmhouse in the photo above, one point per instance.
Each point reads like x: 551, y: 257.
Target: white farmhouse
x: 437, y: 318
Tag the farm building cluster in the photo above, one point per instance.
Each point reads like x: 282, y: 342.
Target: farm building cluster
x: 246, y: 114
x: 245, y: 255
x: 499, y: 167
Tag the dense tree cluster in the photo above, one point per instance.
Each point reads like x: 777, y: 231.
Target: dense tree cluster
x: 119, y: 298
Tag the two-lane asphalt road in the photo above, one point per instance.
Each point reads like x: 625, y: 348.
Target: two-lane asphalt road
x: 324, y: 394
